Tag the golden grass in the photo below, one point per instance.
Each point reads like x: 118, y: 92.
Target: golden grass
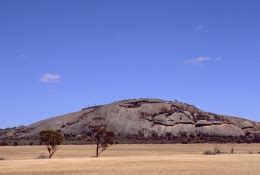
x: 176, y: 159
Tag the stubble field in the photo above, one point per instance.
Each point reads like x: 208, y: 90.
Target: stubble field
x: 175, y: 159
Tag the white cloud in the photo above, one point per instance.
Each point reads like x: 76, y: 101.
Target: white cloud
x: 51, y: 78
x: 199, y: 27
x: 201, y: 59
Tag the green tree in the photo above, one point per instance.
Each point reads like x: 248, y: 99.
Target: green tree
x: 52, y: 139
x: 103, y: 138
x: 101, y: 135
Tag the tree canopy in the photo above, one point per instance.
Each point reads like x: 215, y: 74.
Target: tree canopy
x: 52, y: 139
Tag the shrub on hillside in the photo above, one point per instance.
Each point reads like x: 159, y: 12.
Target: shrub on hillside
x: 4, y: 143
x: 15, y: 144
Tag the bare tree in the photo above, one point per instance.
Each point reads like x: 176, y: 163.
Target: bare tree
x: 52, y: 139
x: 101, y: 135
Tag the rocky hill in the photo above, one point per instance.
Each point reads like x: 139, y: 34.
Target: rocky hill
x: 143, y: 121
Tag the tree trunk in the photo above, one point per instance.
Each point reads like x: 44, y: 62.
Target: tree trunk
x: 50, y: 155
x: 97, y: 150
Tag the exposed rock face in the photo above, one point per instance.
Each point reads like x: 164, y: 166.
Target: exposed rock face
x: 144, y: 118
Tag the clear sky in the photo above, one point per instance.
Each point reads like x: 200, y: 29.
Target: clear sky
x: 60, y: 56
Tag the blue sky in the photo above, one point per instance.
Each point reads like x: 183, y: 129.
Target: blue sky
x: 60, y: 56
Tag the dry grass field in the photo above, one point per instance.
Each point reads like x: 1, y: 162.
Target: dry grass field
x: 176, y: 159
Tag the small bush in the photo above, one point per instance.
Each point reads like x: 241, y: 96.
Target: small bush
x: 2, y: 158
x: 154, y: 135
x: 164, y: 110
x: 15, y: 144
x: 250, y: 152
x: 208, y: 152
x: 4, y: 143
x: 184, y: 142
x: 42, y: 156
x: 215, y: 152
x: 168, y: 135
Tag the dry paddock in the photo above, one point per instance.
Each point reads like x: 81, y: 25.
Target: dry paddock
x: 175, y: 159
